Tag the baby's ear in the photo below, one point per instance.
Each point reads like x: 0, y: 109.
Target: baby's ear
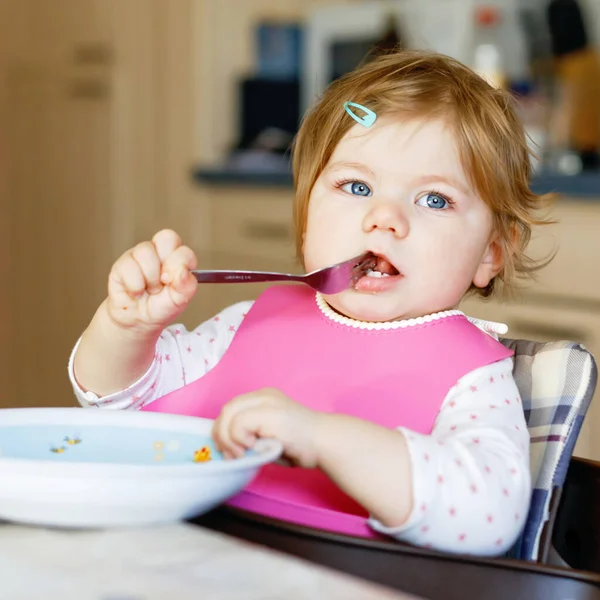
x: 492, y: 262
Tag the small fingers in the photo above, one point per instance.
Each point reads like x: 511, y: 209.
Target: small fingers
x: 183, y: 258
x: 233, y: 431
x: 127, y: 276
x: 243, y: 429
x: 222, y: 437
x: 176, y: 274
x: 146, y: 256
x: 166, y: 242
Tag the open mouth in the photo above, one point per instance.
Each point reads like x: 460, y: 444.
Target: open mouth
x: 380, y: 266
x: 380, y: 275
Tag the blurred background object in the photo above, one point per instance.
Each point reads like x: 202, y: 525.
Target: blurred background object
x: 577, y: 105
x: 339, y: 35
x: 122, y: 117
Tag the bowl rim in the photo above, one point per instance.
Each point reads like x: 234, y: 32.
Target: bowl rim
x: 265, y: 450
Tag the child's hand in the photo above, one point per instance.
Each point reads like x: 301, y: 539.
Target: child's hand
x: 151, y: 283
x: 268, y: 413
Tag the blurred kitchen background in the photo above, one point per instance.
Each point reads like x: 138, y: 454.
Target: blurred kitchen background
x: 121, y: 117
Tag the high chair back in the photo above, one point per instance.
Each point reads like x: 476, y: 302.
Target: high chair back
x: 556, y: 381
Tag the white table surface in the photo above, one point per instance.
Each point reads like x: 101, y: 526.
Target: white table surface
x: 174, y: 562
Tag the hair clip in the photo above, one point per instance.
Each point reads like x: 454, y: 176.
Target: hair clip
x: 367, y: 120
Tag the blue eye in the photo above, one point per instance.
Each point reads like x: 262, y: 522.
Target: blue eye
x: 432, y: 200
x: 356, y: 188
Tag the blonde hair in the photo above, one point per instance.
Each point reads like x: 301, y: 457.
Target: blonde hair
x: 491, y: 140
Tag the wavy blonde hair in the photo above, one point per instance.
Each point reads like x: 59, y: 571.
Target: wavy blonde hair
x: 491, y: 141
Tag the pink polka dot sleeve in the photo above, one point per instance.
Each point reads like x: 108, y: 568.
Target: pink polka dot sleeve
x: 181, y: 357
x: 471, y: 476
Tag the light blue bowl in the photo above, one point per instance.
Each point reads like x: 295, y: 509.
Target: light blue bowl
x: 76, y: 467
x: 90, y: 443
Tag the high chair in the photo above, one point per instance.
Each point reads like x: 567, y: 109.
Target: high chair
x: 576, y: 533
x: 556, y: 381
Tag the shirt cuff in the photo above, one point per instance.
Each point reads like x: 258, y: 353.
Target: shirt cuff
x: 423, y: 483
x: 134, y: 396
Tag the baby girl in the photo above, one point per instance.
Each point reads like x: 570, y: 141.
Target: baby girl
x: 400, y: 414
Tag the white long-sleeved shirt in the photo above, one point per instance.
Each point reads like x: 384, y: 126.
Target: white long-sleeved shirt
x: 471, y: 480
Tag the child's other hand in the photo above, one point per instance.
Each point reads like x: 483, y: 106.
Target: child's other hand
x: 151, y: 284
x: 268, y: 413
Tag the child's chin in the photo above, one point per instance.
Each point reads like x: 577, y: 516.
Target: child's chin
x: 365, y: 307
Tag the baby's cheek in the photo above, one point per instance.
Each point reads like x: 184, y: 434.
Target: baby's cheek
x: 454, y: 287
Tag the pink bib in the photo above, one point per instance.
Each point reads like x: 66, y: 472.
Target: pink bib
x: 392, y: 377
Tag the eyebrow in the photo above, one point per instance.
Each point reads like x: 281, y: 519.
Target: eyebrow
x: 424, y: 180
x: 351, y: 165
x: 429, y: 179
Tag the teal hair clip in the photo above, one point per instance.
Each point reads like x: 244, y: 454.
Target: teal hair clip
x: 367, y: 120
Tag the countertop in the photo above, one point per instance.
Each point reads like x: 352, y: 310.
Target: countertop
x: 180, y: 562
x: 584, y: 185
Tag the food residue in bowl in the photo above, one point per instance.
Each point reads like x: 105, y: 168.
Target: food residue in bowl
x: 202, y: 455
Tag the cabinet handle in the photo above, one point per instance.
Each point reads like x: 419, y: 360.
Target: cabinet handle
x: 88, y: 89
x: 266, y: 230
x: 555, y: 332
x: 92, y: 54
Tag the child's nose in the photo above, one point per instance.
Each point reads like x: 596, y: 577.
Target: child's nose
x: 386, y: 216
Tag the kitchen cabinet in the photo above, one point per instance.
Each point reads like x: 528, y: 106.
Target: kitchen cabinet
x: 58, y: 115
x: 97, y: 110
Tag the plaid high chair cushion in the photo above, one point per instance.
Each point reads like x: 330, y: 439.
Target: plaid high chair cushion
x: 556, y: 381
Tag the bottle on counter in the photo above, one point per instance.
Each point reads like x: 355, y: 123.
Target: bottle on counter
x: 575, y: 129
x: 487, y: 59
